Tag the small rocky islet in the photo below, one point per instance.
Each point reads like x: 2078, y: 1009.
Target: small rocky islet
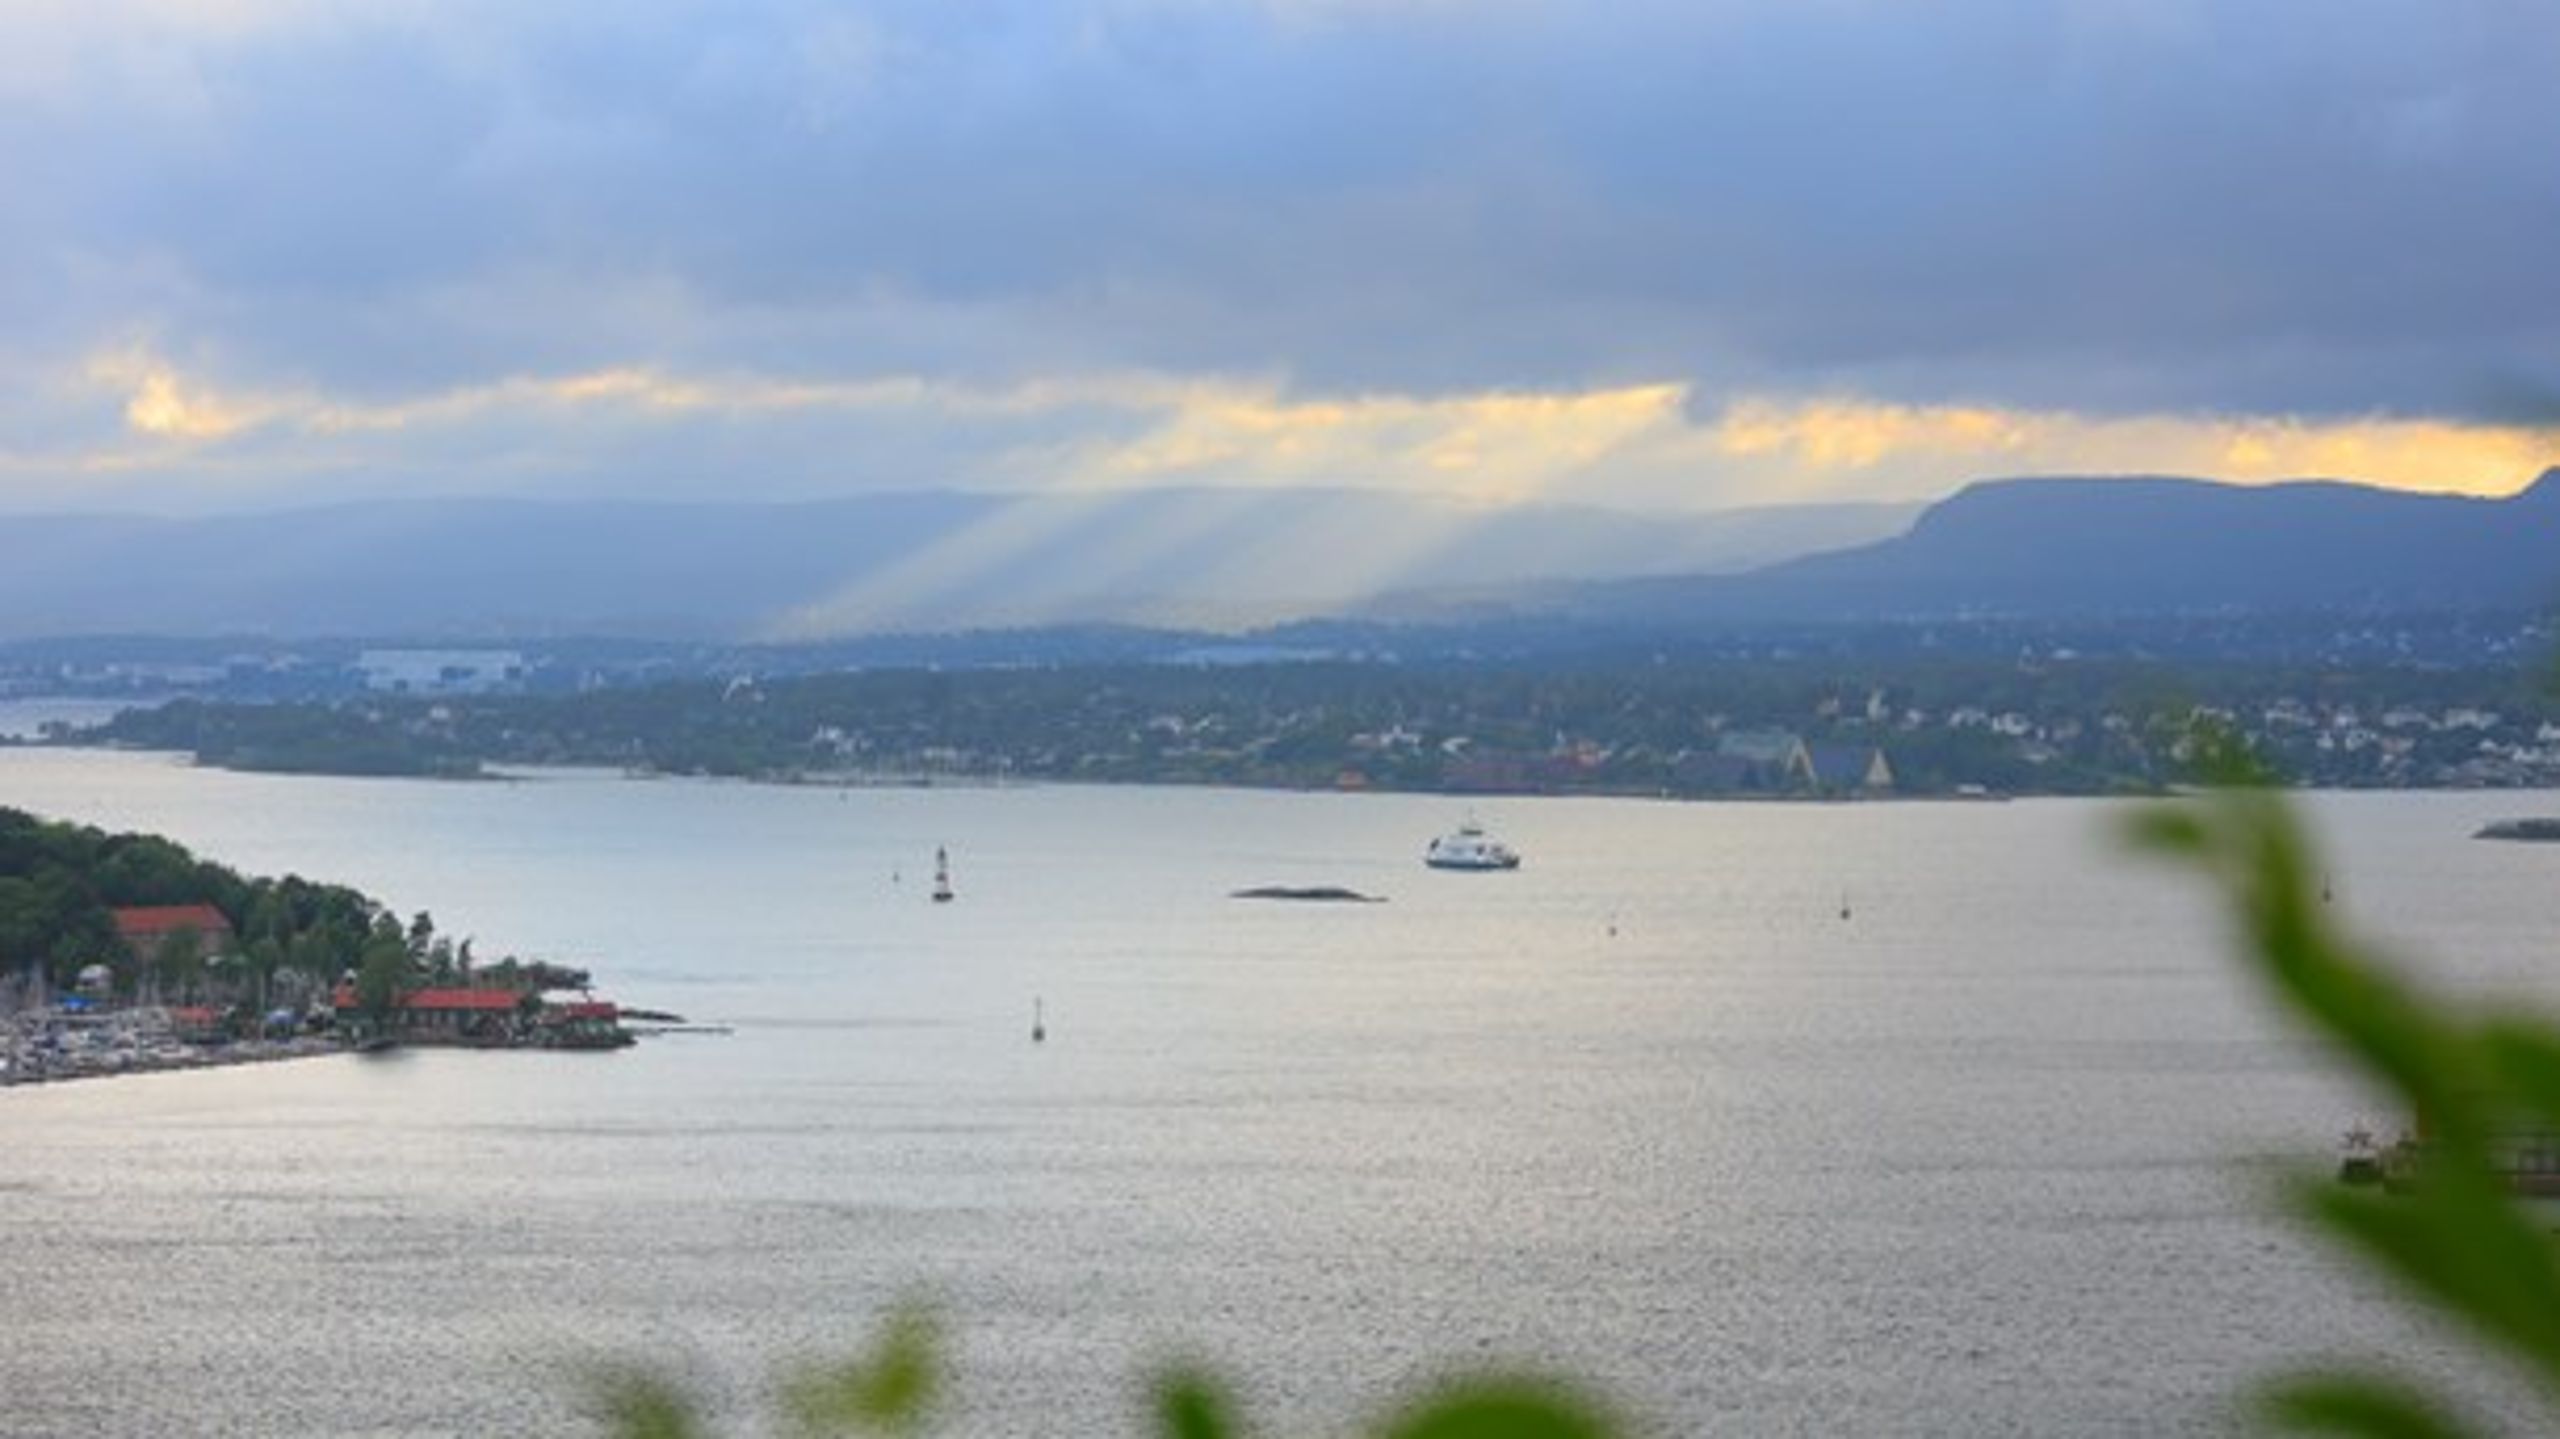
x: 2536, y: 831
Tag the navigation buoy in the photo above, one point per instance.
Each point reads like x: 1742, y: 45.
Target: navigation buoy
x: 1039, y: 1031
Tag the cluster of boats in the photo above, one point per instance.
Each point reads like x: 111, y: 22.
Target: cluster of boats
x: 51, y: 1044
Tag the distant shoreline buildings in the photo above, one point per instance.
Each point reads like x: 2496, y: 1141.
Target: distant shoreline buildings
x: 442, y: 672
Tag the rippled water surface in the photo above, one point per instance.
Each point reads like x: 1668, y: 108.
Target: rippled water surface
x: 1989, y: 1156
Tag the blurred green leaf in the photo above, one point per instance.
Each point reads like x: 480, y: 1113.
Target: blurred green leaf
x: 2250, y: 843
x: 2219, y: 755
x: 2169, y: 829
x: 2360, y: 1404
x: 637, y: 1403
x: 2454, y: 1235
x: 2525, y: 1058
x: 2457, y: 1241
x: 1500, y: 1408
x: 887, y: 1390
x: 1192, y: 1405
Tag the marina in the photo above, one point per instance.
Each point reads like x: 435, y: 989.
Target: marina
x: 52, y: 1045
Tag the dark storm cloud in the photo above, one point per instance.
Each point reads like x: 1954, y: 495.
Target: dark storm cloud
x: 2317, y: 208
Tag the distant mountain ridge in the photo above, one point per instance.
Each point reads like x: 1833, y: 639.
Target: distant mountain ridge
x: 513, y: 568
x: 2077, y: 547
x: 506, y: 570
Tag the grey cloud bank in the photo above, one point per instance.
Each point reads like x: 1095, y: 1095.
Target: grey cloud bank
x: 2110, y: 210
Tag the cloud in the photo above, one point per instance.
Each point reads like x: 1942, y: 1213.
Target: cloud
x: 1476, y: 240
x: 1830, y: 435
x: 1483, y: 447
x: 1815, y: 447
x: 659, y: 432
x: 159, y: 403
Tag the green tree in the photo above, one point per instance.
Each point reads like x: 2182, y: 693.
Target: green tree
x: 146, y: 869
x: 382, y: 976
x: 26, y: 924
x: 269, y: 916
x: 177, y: 962
x: 313, y: 955
x: 262, y: 958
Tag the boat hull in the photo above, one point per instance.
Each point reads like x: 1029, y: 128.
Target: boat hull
x: 1464, y: 864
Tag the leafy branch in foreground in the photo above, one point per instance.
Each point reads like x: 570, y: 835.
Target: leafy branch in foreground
x: 893, y: 1388
x: 888, y: 1391
x: 2450, y: 1232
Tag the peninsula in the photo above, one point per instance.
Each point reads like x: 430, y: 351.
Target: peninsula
x: 125, y: 952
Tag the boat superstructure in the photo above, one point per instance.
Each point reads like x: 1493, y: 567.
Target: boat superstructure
x: 1469, y: 847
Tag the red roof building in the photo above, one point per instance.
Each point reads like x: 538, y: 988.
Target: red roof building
x: 473, y: 1001
x: 442, y: 1001
x: 463, y: 1016
x: 144, y: 928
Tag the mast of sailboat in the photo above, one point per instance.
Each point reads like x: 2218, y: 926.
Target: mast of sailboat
x: 941, y: 874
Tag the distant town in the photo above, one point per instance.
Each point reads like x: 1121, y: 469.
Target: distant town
x: 2059, y: 634
x: 1955, y: 711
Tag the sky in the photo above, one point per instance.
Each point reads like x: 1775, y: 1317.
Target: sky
x: 1642, y: 253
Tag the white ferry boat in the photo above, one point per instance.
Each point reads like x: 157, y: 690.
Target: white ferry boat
x: 1469, y: 847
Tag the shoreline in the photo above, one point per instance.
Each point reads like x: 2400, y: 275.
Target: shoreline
x: 78, y: 1068
x: 507, y: 772
x: 511, y: 772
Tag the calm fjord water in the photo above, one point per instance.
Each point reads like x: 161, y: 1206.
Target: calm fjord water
x: 1988, y: 1157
